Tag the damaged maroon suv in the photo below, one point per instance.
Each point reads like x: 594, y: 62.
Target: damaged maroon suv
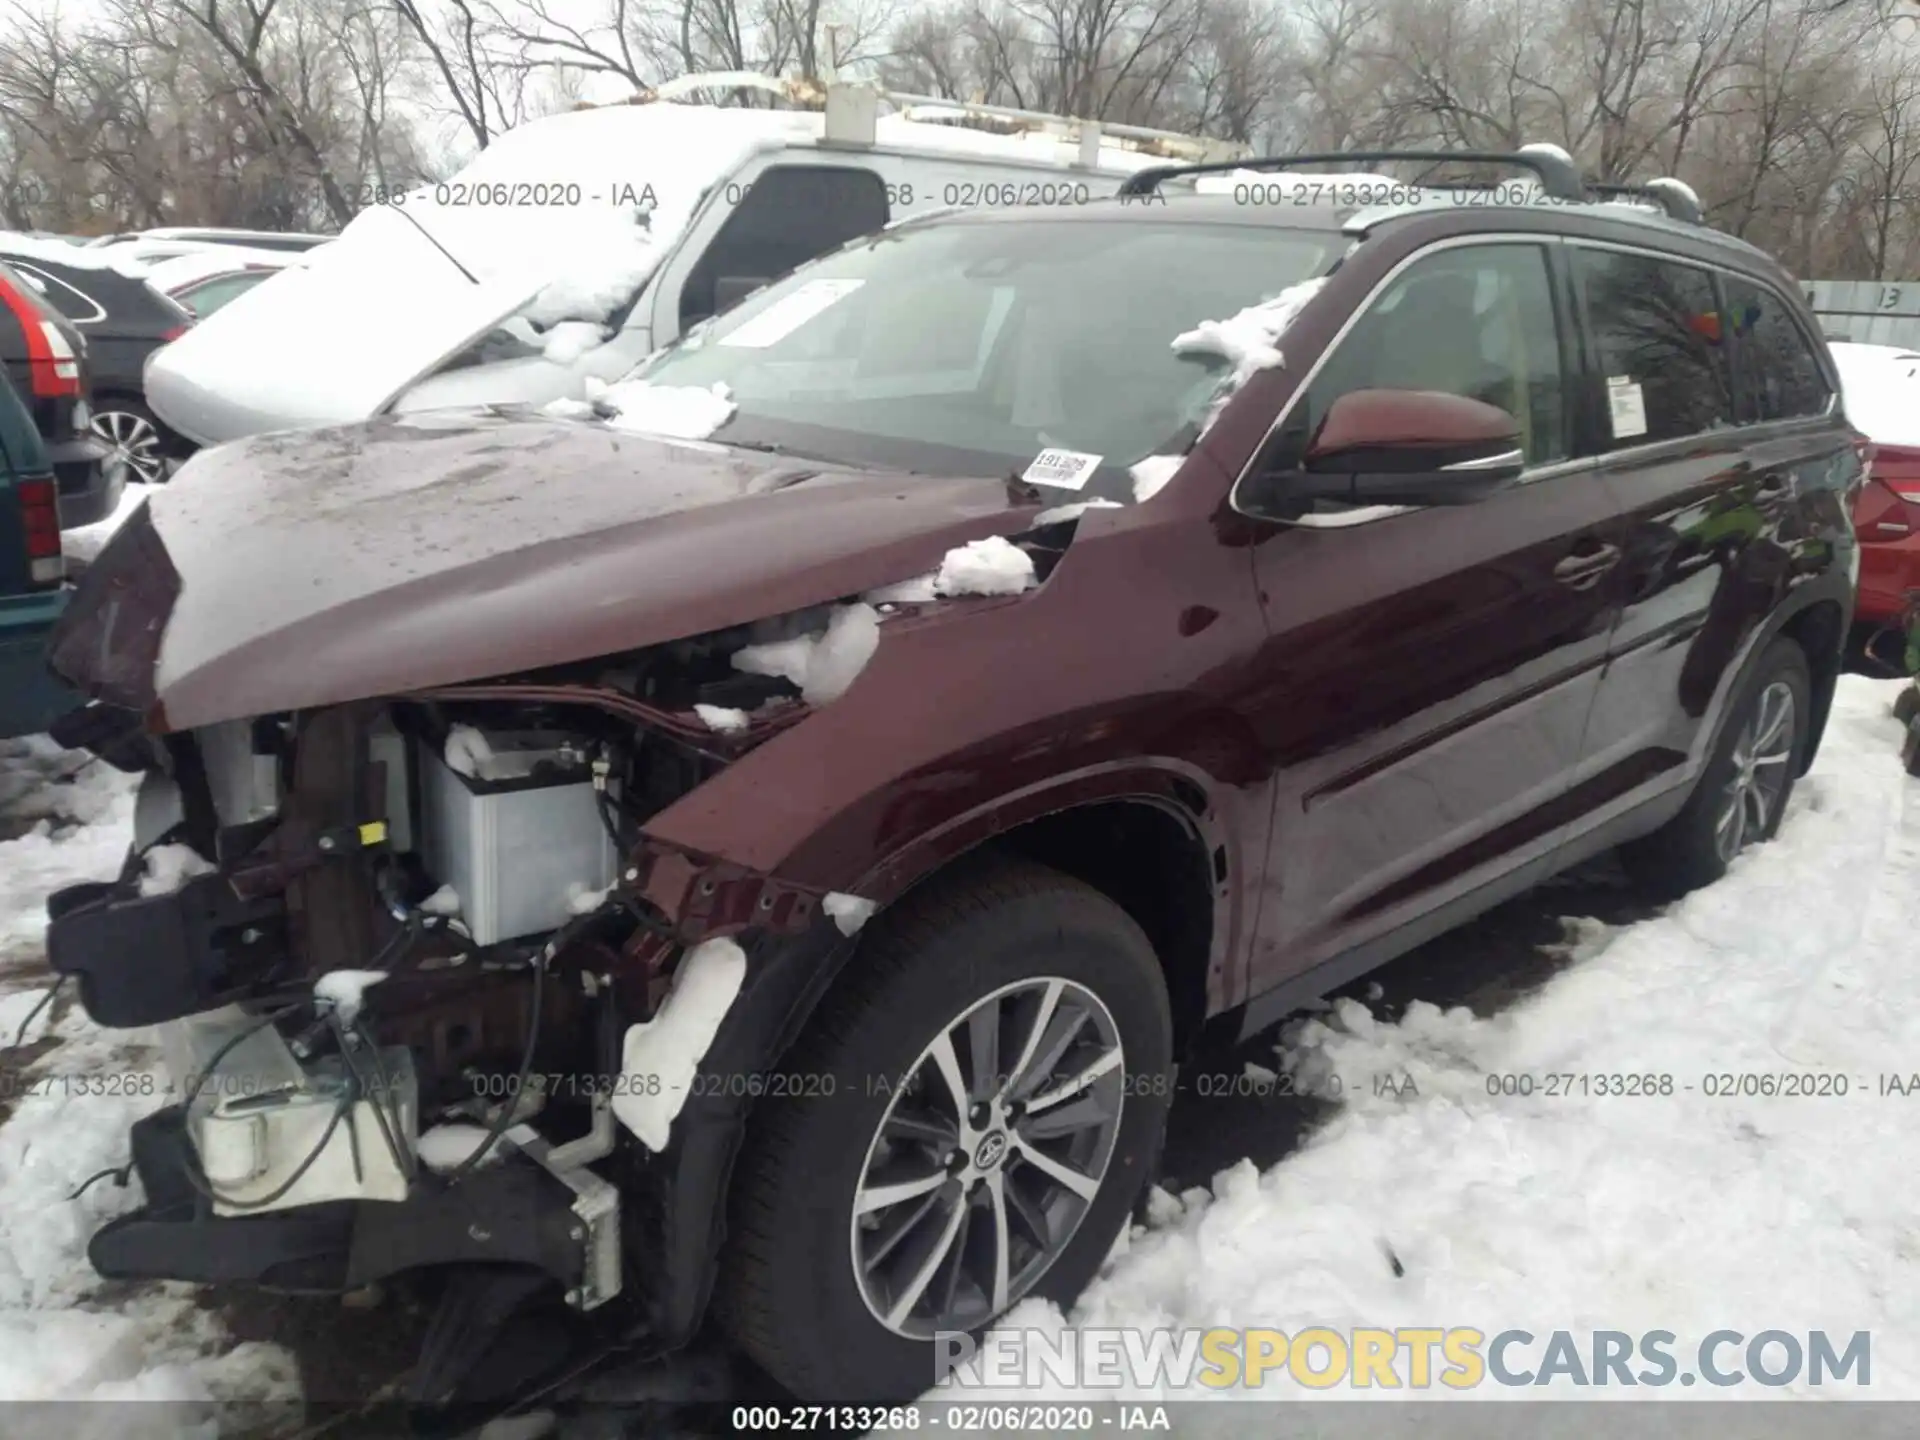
x: 773, y: 868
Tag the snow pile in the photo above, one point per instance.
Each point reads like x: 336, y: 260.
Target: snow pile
x: 84, y: 542
x: 467, y: 751
x: 680, y: 412
x: 346, y: 991
x: 568, y: 340
x: 71, y: 819
x: 849, y: 912
x: 1880, y: 391
x: 823, y: 666
x: 1151, y: 474
x: 1688, y: 1212
x: 177, y: 273
x: 567, y: 408
x: 165, y: 868
x: 917, y: 591
x: 661, y: 1055
x: 1250, y: 340
x: 993, y: 566
x: 722, y: 718
x: 583, y: 899
x: 64, y: 1334
x: 446, y: 1147
x: 15, y: 246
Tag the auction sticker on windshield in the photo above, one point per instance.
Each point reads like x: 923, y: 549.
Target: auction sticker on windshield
x: 1068, y: 469
x: 779, y: 320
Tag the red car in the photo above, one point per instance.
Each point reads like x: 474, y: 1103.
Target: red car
x: 796, y: 812
x: 1880, y: 387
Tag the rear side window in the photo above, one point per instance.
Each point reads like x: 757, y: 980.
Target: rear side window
x: 790, y: 215
x: 208, y: 296
x: 71, y: 301
x: 1663, y: 360
x: 1779, y: 377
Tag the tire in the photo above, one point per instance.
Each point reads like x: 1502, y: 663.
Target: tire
x: 1690, y: 850
x: 1906, y: 705
x: 138, y: 438
x: 788, y: 1291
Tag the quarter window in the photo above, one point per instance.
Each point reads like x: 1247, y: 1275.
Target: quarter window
x: 1663, y: 359
x: 1779, y: 377
x: 1476, y: 321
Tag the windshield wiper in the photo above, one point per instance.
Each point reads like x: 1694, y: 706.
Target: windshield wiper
x: 769, y: 447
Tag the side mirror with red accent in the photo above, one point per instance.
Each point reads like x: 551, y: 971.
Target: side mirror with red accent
x: 1399, y: 447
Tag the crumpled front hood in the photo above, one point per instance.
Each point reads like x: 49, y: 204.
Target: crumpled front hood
x: 310, y: 568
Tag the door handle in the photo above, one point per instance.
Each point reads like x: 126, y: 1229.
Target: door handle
x: 1583, y: 570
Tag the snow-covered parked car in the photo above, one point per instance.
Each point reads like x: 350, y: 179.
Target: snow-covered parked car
x: 575, y: 245
x: 207, y: 279
x: 597, y: 871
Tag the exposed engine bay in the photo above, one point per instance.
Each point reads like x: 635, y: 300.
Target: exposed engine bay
x: 392, y: 949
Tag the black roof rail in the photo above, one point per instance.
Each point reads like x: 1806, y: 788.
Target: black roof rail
x: 1675, y: 197
x: 1559, y: 177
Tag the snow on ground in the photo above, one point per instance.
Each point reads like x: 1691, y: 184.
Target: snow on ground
x: 1684, y: 1213
x: 63, y: 1334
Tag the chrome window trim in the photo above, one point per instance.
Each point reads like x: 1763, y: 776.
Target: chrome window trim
x: 1830, y: 376
x: 1366, y: 514
x: 46, y: 279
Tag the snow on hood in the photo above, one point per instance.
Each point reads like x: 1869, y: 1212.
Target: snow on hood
x: 320, y: 566
x: 1880, y: 391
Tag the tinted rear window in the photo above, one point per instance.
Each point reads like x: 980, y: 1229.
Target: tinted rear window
x: 1663, y: 361
x: 1779, y: 377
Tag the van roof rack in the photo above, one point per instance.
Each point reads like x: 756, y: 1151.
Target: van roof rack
x: 1677, y: 198
x: 852, y: 106
x: 1559, y: 176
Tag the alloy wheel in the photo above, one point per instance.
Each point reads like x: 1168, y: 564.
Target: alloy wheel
x: 136, y: 444
x: 1761, y: 756
x: 989, y: 1154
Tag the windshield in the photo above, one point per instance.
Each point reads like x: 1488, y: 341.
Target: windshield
x: 968, y: 348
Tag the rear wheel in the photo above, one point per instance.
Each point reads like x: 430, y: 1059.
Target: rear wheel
x: 1000, y: 1055
x: 1742, y: 793
x: 138, y: 447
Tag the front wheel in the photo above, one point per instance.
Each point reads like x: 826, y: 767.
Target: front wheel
x: 999, y: 1064
x: 1744, y: 789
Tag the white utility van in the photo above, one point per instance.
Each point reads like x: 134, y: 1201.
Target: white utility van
x: 576, y: 245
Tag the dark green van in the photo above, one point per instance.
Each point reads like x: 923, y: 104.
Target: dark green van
x: 33, y: 588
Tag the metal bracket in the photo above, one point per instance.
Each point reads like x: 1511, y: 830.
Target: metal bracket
x: 701, y: 897
x: 596, y: 1208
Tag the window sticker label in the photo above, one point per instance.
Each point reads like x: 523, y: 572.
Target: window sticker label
x: 1626, y: 407
x: 1069, y: 469
x: 782, y: 318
